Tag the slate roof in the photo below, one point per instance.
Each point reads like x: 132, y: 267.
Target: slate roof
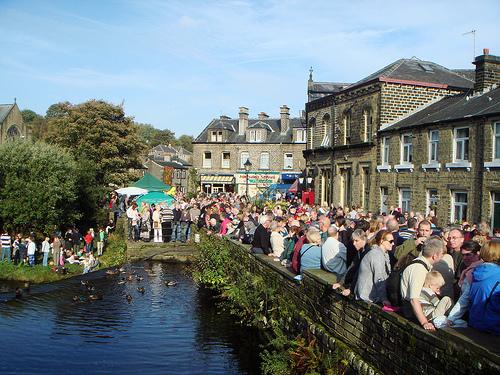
x: 165, y: 148
x: 5, y: 110
x: 317, y: 90
x: 451, y: 108
x: 420, y: 71
x: 173, y: 163
x: 273, y: 125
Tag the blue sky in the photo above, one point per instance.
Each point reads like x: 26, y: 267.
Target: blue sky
x: 178, y: 64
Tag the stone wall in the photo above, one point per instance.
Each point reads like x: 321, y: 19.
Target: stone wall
x: 371, y: 340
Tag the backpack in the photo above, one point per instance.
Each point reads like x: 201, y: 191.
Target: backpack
x: 393, y: 282
x: 289, y: 245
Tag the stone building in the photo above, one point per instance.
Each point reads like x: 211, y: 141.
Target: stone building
x: 341, y: 152
x: 11, y: 123
x: 273, y: 147
x: 171, y: 165
x: 446, y: 156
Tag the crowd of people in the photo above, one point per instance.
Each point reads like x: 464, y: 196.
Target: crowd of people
x: 406, y: 262
x: 57, y: 250
x: 434, y: 275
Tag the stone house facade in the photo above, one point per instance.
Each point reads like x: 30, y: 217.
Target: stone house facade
x: 171, y: 165
x: 272, y: 146
x: 445, y: 157
x: 342, y: 127
x: 11, y: 123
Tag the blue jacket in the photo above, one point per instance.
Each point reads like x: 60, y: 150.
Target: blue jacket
x: 310, y: 257
x: 484, y: 313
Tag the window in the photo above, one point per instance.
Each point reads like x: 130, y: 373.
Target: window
x: 433, y: 146
x: 459, y: 212
x: 244, y: 156
x: 432, y: 201
x: 311, y: 129
x: 385, y: 151
x: 326, y: 130
x: 406, y: 149
x: 216, y: 136
x: 301, y: 136
x: 226, y: 160
x: 183, y: 173
x: 368, y: 125
x: 496, y: 141
x: 405, y: 199
x: 207, y: 159
x: 347, y: 129
x: 495, y: 220
x: 264, y: 160
x: 384, y: 196
x: 288, y: 161
x: 255, y: 136
x: 461, y: 144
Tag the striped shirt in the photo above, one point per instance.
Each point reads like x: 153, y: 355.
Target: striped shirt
x: 5, y: 240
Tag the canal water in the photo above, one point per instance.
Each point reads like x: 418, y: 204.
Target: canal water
x: 165, y: 330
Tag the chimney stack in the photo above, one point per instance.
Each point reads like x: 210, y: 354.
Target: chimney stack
x: 285, y: 118
x: 263, y: 116
x: 487, y: 71
x: 243, y: 121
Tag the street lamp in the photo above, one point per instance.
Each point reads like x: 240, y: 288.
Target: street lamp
x: 247, y: 165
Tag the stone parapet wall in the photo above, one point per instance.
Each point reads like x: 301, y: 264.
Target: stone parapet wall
x: 372, y: 340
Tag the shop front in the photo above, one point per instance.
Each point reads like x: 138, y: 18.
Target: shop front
x: 217, y: 183
x: 257, y: 182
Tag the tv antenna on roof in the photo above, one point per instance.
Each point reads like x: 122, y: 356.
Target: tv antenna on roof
x: 473, y: 32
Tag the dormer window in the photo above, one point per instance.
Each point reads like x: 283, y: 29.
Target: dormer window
x: 216, y: 136
x: 301, y: 136
x: 255, y: 135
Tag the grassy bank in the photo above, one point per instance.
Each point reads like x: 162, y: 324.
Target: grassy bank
x: 114, y: 255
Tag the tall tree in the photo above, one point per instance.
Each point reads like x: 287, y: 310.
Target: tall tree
x: 36, y: 123
x: 99, y: 132
x: 39, y: 187
x: 186, y: 141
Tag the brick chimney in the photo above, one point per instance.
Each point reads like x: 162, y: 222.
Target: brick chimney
x: 243, y: 122
x: 285, y: 118
x: 263, y: 116
x: 487, y: 71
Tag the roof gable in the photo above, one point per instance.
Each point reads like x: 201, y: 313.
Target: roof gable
x: 5, y: 110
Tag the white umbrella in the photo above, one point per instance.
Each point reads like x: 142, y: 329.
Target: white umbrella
x: 131, y: 190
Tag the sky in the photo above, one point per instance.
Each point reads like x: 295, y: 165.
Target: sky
x: 178, y: 64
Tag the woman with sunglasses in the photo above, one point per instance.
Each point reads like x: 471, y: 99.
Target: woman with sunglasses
x: 374, y: 270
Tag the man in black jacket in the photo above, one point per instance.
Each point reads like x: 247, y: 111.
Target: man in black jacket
x: 261, y: 243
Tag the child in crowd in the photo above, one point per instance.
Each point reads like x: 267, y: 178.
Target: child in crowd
x: 434, y: 308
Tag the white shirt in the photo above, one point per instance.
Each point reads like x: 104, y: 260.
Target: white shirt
x: 31, y: 248
x: 334, y: 256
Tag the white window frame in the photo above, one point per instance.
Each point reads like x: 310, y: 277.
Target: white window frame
x: 216, y: 136
x: 262, y: 158
x: 459, y: 145
x: 385, y: 150
x: 301, y: 136
x: 402, y: 200
x: 225, y: 163
x: 347, y: 129
x: 495, y: 199
x: 207, y: 162
x: 496, y: 137
x: 455, y: 204
x: 255, y: 135
x: 406, y: 147
x: 367, y: 125
x: 244, y: 156
x: 433, y: 147
x: 288, y: 160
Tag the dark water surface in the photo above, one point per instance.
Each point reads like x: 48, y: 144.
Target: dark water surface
x: 166, y: 330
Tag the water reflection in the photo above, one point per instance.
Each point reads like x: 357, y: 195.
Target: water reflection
x: 166, y: 330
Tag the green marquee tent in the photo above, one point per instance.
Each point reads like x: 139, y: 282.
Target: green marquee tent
x: 151, y: 183
x: 155, y: 197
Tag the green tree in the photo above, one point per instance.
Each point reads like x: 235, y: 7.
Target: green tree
x: 58, y: 110
x: 99, y: 132
x: 186, y: 141
x: 163, y: 137
x: 36, y: 123
x: 39, y: 186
